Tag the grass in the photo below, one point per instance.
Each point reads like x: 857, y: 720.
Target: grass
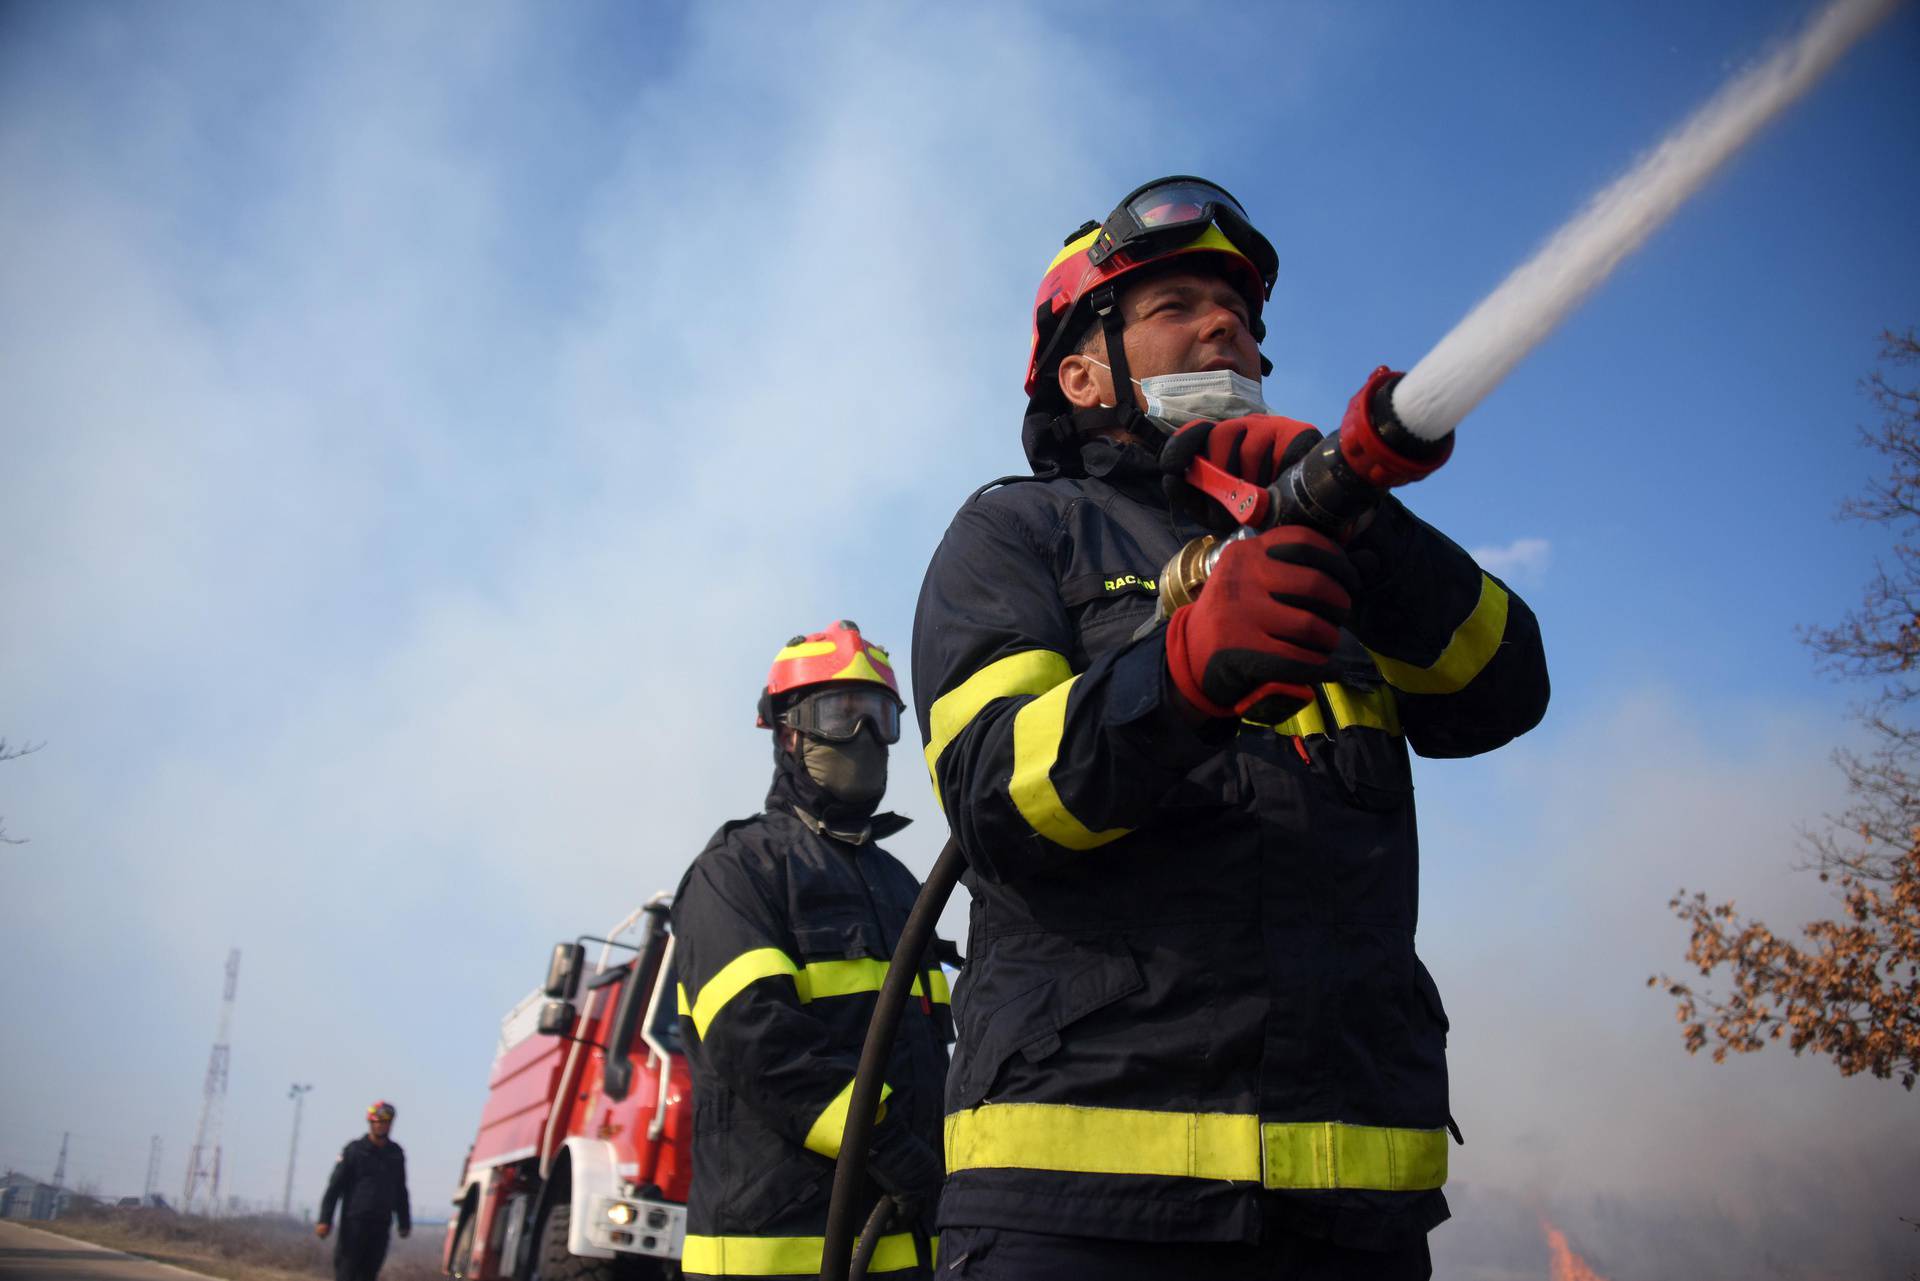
x: 243, y: 1248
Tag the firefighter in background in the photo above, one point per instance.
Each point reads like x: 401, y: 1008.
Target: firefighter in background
x: 1194, y: 1039
x: 785, y: 926
x: 369, y: 1184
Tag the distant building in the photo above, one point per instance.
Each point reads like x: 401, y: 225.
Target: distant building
x: 151, y: 1201
x: 24, y: 1197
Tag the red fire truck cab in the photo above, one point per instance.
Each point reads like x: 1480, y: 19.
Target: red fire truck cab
x: 581, y: 1166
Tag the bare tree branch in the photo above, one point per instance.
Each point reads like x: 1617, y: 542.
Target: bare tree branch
x: 8, y: 754
x: 1851, y: 989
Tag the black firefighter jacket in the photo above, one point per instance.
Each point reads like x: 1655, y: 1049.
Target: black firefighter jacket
x: 783, y: 936
x: 1192, y: 1009
x: 369, y: 1184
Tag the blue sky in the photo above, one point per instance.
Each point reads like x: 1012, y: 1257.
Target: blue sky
x: 421, y: 424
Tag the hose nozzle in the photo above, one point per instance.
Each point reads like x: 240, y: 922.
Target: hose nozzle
x: 1336, y: 483
x: 1382, y: 450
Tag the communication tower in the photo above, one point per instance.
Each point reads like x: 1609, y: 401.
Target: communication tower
x: 203, y: 1163
x: 153, y: 1171
x: 298, y: 1093
x: 60, y: 1166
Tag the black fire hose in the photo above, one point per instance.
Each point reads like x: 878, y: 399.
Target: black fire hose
x: 870, y: 1237
x: 850, y: 1172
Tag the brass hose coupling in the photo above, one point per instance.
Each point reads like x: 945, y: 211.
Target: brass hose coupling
x: 1185, y: 574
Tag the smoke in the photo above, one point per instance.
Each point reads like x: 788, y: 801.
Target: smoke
x: 420, y: 435
x: 1546, y: 878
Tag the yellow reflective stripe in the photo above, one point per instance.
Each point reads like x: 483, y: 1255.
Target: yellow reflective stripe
x: 850, y: 978
x: 784, y: 1256
x: 1473, y: 646
x: 733, y: 978
x: 841, y: 978
x: 862, y: 667
x: 1080, y: 1140
x: 805, y: 649
x: 1210, y: 238
x: 1372, y: 709
x: 1037, y: 729
x: 817, y: 980
x: 823, y: 1136
x: 1078, y: 245
x: 1301, y: 724
x: 1195, y: 1145
x: 1031, y: 671
x: 1326, y: 1154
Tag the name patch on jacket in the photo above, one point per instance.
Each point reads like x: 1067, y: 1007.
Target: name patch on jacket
x: 1129, y: 583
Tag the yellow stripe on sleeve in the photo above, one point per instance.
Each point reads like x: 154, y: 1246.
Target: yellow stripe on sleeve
x: 1031, y: 671
x: 734, y: 978
x: 1037, y: 730
x: 824, y: 1135
x: 1472, y: 647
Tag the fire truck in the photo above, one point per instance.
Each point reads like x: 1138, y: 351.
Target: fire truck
x: 580, y: 1169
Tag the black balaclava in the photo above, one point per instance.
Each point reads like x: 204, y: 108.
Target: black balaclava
x: 838, y: 785
x: 853, y: 773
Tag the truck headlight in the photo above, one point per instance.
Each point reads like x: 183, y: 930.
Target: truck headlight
x: 620, y: 1212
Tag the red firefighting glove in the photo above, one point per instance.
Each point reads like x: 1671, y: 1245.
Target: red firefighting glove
x: 1265, y: 626
x: 1256, y: 448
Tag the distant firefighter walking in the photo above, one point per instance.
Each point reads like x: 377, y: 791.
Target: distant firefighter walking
x: 369, y: 1184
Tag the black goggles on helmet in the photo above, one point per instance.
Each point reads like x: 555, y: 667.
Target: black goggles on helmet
x: 1168, y: 212
x: 837, y: 713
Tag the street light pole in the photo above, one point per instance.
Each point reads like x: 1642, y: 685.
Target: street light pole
x: 298, y: 1094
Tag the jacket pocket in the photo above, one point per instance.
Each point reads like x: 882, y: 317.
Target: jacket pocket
x: 1359, y: 753
x: 782, y: 1185
x: 1107, y: 608
x: 1105, y: 625
x: 847, y: 940
x: 1053, y: 983
x: 1369, y: 767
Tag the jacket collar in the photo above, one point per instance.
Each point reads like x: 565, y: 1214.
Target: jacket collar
x: 1076, y: 445
x: 860, y: 832
x: 794, y: 792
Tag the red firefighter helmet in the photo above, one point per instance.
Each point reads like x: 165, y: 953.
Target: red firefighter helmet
x: 838, y: 654
x: 1164, y: 218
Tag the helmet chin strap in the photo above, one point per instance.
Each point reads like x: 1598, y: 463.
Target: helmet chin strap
x: 1106, y: 307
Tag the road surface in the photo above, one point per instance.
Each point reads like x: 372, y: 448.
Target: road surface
x: 28, y: 1254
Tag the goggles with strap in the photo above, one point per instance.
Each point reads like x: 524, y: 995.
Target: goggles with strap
x: 1170, y: 212
x: 837, y: 713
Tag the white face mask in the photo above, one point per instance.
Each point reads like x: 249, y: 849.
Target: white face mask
x: 1215, y: 394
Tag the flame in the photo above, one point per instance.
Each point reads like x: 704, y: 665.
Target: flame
x: 1567, y: 1266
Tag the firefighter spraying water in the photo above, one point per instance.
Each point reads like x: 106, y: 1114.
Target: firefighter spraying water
x: 1057, y: 1107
